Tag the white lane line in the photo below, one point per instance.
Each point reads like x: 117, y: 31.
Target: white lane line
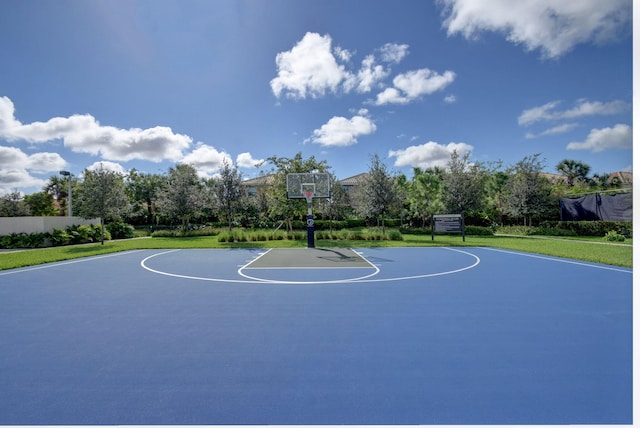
x: 559, y: 260
x: 69, y: 262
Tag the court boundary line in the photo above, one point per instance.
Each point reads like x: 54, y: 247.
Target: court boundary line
x: 558, y: 259
x: 64, y: 262
x: 175, y: 275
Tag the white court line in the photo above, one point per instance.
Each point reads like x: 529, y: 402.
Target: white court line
x: 555, y: 259
x: 428, y: 275
x: 55, y: 264
x: 175, y: 275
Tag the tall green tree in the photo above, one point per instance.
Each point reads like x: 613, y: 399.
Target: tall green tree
x: 464, y: 184
x: 102, y: 194
x: 229, y: 191
x: 527, y: 193
x: 425, y: 193
x: 142, y: 190
x: 379, y: 193
x: 40, y: 204
x: 12, y: 205
x: 183, y: 196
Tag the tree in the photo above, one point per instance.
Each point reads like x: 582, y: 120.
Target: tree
x: 379, y: 195
x: 102, y: 194
x: 12, y: 205
x: 464, y: 184
x: 182, y: 196
x: 574, y: 171
x: 494, y: 208
x: 142, y: 189
x: 228, y: 191
x: 58, y: 188
x: 337, y: 206
x: 425, y: 193
x: 40, y: 204
x: 527, y: 193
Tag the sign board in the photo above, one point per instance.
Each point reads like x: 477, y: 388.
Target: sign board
x: 447, y: 223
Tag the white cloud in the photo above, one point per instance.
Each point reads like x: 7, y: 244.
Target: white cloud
x: 369, y: 75
x: 312, y: 68
x: 245, y: 160
x: 342, y: 54
x: 450, y: 99
x: 392, y: 52
x: 12, y: 179
x: 536, y: 114
x: 38, y: 162
x: 207, y: 160
x: 391, y: 96
x: 84, y: 134
x: 308, y: 69
x: 560, y: 129
x: 620, y: 136
x: 428, y: 155
x: 582, y: 108
x: 551, y: 26
x: 107, y: 166
x: 340, y: 131
x: 17, y: 168
x: 413, y: 85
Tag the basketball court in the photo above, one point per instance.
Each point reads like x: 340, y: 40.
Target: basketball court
x: 316, y: 336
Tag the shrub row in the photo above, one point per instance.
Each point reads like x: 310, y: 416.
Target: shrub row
x: 373, y: 234
x: 181, y: 233
x: 583, y: 228
x: 71, y: 235
x: 468, y: 230
x: 242, y: 235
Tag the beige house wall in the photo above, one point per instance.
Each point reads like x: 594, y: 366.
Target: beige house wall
x: 9, y: 225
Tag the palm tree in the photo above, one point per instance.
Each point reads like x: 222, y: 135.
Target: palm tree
x: 573, y: 170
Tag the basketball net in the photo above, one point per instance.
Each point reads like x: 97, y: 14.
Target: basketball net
x: 308, y: 194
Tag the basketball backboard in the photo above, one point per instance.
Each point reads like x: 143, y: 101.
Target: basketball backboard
x: 300, y: 184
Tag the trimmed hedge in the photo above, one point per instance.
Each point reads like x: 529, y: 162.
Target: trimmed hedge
x: 585, y: 228
x: 468, y: 230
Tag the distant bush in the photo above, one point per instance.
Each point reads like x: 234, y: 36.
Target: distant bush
x: 613, y: 236
x: 478, y: 230
x: 181, y: 233
x: 468, y: 230
x: 120, y: 230
x: 590, y: 228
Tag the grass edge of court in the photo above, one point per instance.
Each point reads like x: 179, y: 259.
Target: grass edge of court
x: 571, y: 249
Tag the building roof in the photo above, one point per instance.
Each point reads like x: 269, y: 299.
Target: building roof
x: 355, y: 180
x: 263, y: 180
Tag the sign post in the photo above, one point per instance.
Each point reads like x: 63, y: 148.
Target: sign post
x: 448, y: 223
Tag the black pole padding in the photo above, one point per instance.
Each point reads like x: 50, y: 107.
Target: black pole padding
x: 310, y: 232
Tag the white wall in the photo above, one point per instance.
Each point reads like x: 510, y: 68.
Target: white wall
x: 9, y: 225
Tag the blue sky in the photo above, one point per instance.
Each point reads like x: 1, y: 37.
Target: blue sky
x: 148, y: 84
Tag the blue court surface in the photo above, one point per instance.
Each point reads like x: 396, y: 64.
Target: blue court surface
x: 372, y: 336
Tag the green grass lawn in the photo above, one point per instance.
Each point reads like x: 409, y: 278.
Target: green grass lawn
x: 591, y: 250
